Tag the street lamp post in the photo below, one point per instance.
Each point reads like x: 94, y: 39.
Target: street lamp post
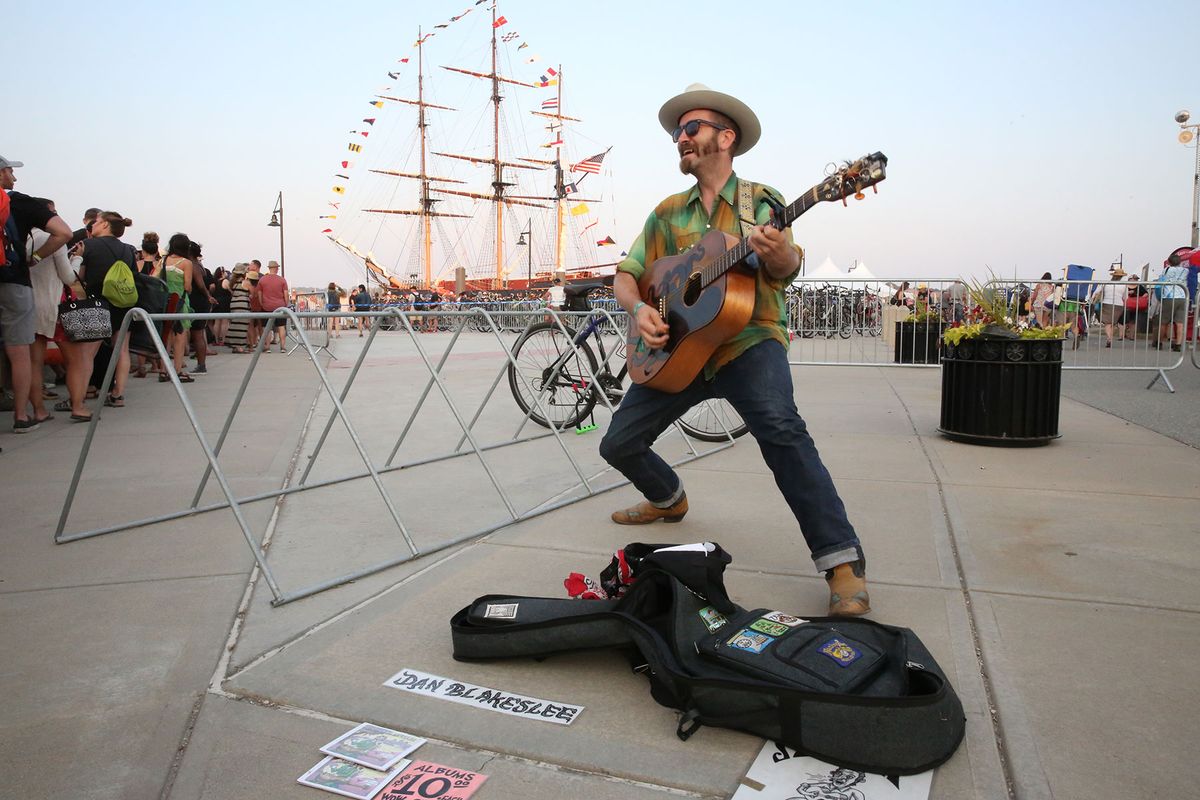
x: 1190, y: 134
x: 277, y: 222
x: 528, y: 243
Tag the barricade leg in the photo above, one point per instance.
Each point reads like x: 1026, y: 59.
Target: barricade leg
x: 141, y: 316
x: 358, y: 445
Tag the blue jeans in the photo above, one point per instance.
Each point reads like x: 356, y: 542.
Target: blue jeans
x: 758, y: 384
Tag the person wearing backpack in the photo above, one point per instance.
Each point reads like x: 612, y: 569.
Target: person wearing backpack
x: 20, y: 214
x: 97, y: 259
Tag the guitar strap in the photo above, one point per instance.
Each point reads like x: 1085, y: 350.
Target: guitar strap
x: 745, y: 207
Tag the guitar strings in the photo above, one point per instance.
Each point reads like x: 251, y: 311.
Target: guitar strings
x: 719, y: 267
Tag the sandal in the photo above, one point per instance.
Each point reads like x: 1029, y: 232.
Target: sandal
x: 81, y: 418
x: 185, y: 378
x: 92, y: 394
x: 62, y: 405
x: 115, y: 401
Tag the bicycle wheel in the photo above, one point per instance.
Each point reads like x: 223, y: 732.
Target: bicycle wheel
x: 708, y: 421
x: 550, y: 370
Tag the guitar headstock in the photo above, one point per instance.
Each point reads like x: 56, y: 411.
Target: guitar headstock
x: 851, y: 178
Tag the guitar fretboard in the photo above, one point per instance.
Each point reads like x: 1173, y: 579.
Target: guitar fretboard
x: 741, y: 250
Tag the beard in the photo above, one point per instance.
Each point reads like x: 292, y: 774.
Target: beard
x: 700, y: 150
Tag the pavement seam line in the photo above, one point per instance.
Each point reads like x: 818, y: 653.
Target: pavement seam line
x: 489, y: 755
x: 105, y: 584
x: 239, y: 616
x: 964, y: 589
x: 288, y: 644
x: 1091, y: 601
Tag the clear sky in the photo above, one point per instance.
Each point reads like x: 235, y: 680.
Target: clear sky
x: 1021, y: 136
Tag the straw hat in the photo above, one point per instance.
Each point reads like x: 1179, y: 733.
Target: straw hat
x: 253, y: 275
x: 272, y: 264
x: 1118, y: 273
x: 700, y: 96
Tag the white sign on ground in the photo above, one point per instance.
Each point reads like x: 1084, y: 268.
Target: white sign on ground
x: 482, y: 697
x: 779, y: 774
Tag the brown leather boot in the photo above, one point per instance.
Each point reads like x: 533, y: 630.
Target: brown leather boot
x: 644, y: 513
x: 848, y: 590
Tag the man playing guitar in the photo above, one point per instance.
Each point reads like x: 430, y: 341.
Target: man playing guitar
x: 750, y: 370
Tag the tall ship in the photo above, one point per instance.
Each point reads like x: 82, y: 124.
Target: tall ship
x: 469, y: 175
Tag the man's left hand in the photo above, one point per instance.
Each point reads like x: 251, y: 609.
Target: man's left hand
x: 773, y: 249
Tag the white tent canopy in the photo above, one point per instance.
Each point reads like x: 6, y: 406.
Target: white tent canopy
x: 827, y: 271
x: 861, y: 272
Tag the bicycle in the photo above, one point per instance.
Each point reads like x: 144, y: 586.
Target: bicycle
x: 558, y: 367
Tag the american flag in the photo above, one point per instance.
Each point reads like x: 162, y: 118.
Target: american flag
x: 591, y: 165
x: 550, y: 105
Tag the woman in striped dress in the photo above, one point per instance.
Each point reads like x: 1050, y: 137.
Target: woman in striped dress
x: 239, y: 302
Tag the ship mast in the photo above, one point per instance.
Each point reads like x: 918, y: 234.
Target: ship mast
x: 498, y: 183
x: 560, y: 181
x: 426, y: 212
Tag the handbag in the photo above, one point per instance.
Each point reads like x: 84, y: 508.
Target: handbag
x: 86, y: 320
x: 1138, y: 303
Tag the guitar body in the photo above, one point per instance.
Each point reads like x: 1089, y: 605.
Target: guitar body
x: 700, y: 320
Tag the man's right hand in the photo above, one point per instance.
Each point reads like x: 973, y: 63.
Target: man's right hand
x: 652, y: 327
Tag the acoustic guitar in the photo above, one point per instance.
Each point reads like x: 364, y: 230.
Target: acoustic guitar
x: 706, y: 294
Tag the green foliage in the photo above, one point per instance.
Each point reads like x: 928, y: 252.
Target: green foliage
x: 989, y: 307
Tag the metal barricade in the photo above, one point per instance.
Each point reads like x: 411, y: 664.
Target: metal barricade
x: 859, y: 323
x: 585, y: 486
x: 867, y: 323
x: 1113, y: 325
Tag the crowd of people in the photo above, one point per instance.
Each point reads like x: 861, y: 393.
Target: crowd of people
x: 54, y: 280
x: 1156, y: 307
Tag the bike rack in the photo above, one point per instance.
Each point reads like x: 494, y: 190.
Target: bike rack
x: 584, y: 488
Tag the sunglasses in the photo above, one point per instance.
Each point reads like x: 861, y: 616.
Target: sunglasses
x: 692, y: 127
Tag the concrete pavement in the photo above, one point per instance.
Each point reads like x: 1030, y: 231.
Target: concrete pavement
x: 1055, y: 586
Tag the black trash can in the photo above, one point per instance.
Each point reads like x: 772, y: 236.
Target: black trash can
x: 1002, y: 392
x: 917, y: 342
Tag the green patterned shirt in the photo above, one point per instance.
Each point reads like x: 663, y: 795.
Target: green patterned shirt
x: 679, y: 222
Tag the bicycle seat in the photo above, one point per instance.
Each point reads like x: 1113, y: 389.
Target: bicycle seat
x: 576, y: 294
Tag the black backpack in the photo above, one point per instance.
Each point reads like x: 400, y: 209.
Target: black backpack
x: 852, y: 692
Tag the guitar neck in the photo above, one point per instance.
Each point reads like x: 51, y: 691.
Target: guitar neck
x: 738, y: 253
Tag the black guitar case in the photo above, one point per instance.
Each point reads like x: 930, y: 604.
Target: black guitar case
x: 852, y: 692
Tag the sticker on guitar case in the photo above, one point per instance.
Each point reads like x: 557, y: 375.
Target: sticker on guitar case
x: 840, y: 652
x: 768, y: 627
x: 501, y: 611
x: 713, y: 619
x: 784, y: 619
x: 751, y: 641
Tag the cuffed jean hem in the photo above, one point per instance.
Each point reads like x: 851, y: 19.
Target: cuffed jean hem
x: 670, y: 501
x: 847, y: 555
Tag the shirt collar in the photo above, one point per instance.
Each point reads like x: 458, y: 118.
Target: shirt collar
x: 728, y: 192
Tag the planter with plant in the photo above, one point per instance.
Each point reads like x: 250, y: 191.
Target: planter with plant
x: 1001, y: 375
x: 918, y: 337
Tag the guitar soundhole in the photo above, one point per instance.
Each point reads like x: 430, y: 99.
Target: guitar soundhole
x: 691, y: 291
